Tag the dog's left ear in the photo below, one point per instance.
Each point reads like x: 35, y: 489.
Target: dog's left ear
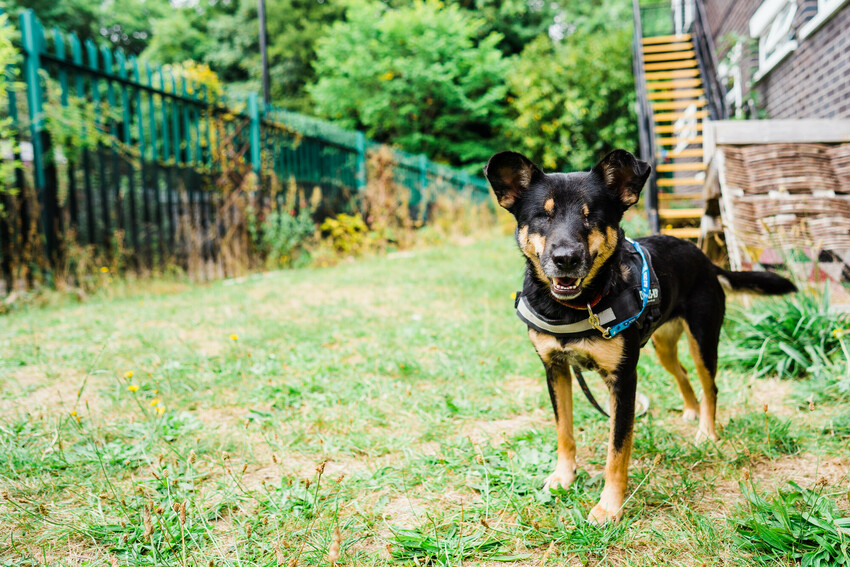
x: 624, y: 174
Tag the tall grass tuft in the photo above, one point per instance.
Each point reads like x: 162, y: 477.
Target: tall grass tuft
x: 800, y: 524
x: 788, y: 337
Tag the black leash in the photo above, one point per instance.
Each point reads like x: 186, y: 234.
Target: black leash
x: 583, y: 385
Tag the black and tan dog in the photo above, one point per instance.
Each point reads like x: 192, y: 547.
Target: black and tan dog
x: 592, y: 298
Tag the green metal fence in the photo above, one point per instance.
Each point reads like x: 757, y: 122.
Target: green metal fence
x: 155, y: 159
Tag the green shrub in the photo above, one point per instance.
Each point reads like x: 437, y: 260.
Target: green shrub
x: 285, y: 236
x: 788, y: 337
x: 346, y: 234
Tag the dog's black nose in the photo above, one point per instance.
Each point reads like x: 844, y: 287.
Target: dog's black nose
x: 566, y: 258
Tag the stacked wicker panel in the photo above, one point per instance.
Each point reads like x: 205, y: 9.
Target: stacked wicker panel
x: 798, y: 194
x: 795, y: 168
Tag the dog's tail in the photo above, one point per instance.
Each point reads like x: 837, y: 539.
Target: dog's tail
x: 763, y: 283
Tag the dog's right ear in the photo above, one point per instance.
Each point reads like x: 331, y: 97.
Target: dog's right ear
x: 511, y: 174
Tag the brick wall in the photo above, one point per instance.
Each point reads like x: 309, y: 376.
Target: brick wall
x: 812, y: 82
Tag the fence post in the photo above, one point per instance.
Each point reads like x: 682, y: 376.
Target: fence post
x: 423, y: 173
x: 254, y: 113
x: 360, y: 146
x: 32, y: 39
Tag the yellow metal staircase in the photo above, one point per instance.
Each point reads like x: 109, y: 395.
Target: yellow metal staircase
x: 675, y: 92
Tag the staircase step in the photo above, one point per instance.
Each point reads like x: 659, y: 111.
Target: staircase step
x: 697, y: 152
x: 674, y: 56
x: 679, y: 181
x: 662, y: 47
x: 673, y: 129
x: 679, y: 214
x: 690, y: 166
x: 680, y: 74
x: 671, y: 116
x: 680, y: 196
x: 669, y: 65
x: 677, y: 84
x: 682, y: 232
x: 676, y: 104
x: 665, y: 39
x: 675, y: 140
x: 685, y: 93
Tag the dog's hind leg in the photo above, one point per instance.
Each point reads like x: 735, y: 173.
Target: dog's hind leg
x: 560, y: 381
x: 665, y: 339
x: 703, y: 328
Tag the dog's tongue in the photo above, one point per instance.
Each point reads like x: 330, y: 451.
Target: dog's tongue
x: 566, y: 282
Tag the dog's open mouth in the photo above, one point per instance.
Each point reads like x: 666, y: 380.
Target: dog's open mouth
x: 566, y: 288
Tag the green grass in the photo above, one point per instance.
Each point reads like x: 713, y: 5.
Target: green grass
x: 410, y: 377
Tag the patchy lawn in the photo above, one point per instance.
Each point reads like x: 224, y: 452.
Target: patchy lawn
x: 188, y: 428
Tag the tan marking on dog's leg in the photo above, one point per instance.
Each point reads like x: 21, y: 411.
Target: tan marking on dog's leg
x: 601, y: 246
x: 565, y: 470
x: 549, y: 205
x: 610, y: 505
x: 585, y: 210
x: 708, y: 406
x: 665, y: 340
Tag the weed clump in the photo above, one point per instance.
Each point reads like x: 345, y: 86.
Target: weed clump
x: 789, y: 337
x: 799, y: 524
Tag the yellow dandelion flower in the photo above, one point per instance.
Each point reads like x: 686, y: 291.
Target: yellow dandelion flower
x: 133, y: 387
x: 104, y: 270
x: 128, y: 374
x: 74, y: 413
x: 160, y: 410
x: 234, y: 337
x: 154, y: 401
x: 388, y: 76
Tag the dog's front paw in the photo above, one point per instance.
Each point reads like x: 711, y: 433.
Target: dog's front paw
x: 705, y: 433
x: 562, y: 478
x: 609, y: 509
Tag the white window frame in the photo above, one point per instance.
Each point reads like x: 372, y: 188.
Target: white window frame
x: 826, y: 9
x: 772, y: 24
x: 729, y: 72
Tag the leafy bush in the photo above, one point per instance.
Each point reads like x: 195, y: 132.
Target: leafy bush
x: 800, y: 524
x: 346, y: 234
x: 788, y: 337
x: 568, y: 111
x: 286, y: 235
x: 424, y: 77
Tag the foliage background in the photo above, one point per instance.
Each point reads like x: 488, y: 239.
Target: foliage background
x: 457, y: 80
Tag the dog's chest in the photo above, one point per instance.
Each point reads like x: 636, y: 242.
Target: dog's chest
x: 602, y: 355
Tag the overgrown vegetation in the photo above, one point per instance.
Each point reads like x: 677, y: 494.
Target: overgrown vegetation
x: 801, y: 524
x: 457, y: 80
x: 791, y: 336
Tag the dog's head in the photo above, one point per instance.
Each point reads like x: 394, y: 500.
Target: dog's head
x: 567, y: 223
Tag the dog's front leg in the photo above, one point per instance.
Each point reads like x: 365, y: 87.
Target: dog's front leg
x: 610, y: 506
x: 560, y: 381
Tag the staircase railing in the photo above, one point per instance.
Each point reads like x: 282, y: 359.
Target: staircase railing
x: 706, y: 54
x: 645, y: 123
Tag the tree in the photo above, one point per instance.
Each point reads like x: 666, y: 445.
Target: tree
x: 574, y: 99
x: 126, y: 24
x: 226, y: 37
x: 418, y: 77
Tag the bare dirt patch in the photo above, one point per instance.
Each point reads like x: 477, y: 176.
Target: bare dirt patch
x: 497, y: 430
